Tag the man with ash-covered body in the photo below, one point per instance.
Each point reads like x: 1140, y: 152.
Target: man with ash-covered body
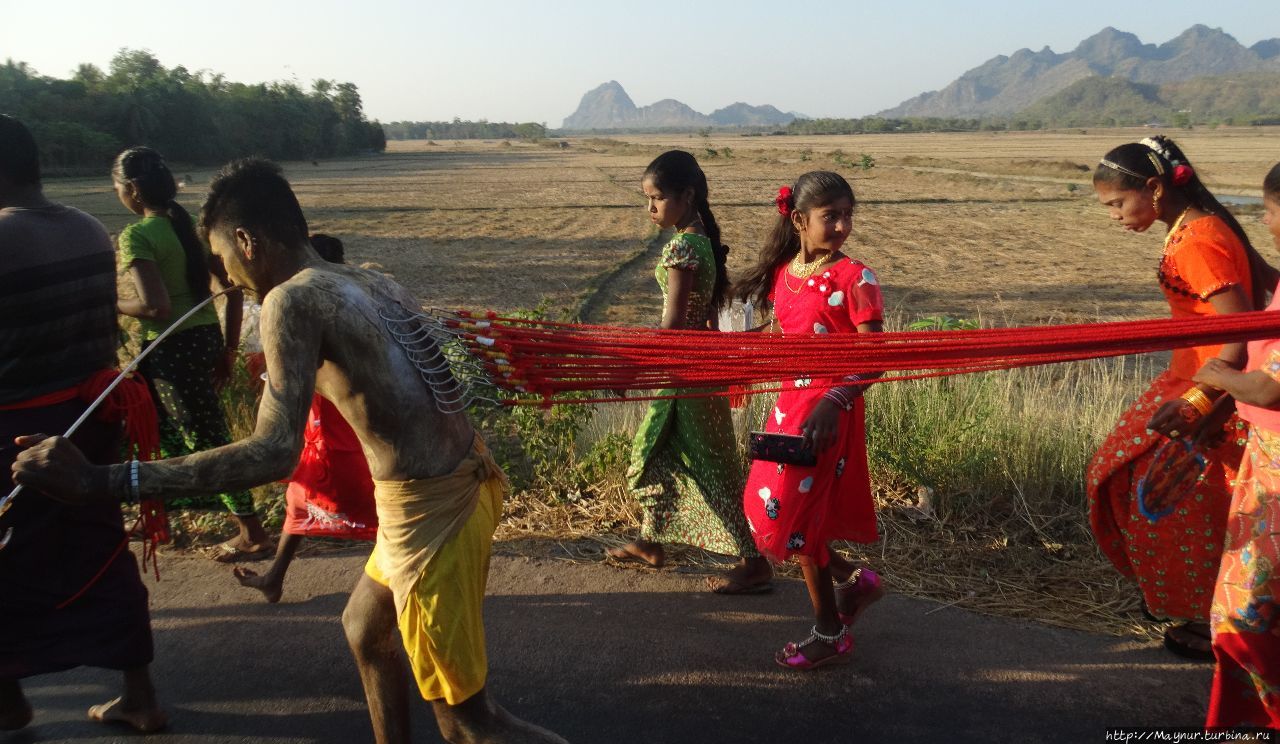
x: 438, y: 492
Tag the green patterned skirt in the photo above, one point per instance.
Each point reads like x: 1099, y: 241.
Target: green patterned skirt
x: 686, y: 476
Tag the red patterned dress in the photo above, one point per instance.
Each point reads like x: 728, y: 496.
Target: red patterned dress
x: 1175, y: 557
x: 331, y: 492
x: 795, y: 510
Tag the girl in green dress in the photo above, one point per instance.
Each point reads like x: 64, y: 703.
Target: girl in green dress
x: 171, y: 270
x: 684, y: 469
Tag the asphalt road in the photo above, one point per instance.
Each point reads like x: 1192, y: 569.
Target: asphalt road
x: 601, y: 654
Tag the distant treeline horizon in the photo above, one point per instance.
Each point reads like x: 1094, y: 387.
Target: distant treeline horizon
x: 191, y: 117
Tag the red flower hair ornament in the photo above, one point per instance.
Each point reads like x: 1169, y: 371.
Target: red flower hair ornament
x: 1182, y: 174
x: 783, y: 200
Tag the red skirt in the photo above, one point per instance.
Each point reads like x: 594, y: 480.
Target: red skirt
x: 794, y: 510
x: 331, y: 491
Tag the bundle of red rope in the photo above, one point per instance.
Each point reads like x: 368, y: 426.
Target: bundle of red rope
x: 549, y: 359
x: 131, y: 404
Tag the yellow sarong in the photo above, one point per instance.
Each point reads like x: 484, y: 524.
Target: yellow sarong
x: 433, y: 553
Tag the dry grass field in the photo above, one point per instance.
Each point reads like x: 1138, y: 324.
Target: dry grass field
x: 998, y: 224
x: 1001, y: 226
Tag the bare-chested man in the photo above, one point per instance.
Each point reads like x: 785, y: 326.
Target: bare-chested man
x: 438, y: 493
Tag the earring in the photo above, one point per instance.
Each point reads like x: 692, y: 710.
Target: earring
x: 1155, y: 204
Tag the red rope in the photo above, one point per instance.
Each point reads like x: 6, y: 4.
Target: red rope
x: 116, y: 554
x: 130, y: 403
x: 549, y: 359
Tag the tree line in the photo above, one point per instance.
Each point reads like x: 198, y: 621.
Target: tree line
x: 876, y: 124
x: 460, y: 130
x: 195, y: 117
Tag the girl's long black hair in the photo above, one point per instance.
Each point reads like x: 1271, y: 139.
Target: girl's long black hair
x: 147, y: 171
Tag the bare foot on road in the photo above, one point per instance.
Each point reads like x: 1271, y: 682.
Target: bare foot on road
x: 271, y: 588
x: 750, y: 576
x: 640, y: 550
x: 146, y: 721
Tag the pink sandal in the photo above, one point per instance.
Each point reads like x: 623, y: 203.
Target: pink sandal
x: 841, y: 643
x: 862, y: 590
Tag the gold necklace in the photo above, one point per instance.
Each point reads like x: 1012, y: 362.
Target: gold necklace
x: 802, y: 271
x: 1174, y: 228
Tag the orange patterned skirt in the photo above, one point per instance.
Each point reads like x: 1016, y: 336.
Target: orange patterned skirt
x: 1173, y: 558
x: 1246, y: 609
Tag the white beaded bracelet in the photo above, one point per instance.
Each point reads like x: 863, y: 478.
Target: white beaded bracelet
x: 133, y: 481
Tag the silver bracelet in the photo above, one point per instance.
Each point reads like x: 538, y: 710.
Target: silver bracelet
x: 839, y: 397
x: 134, y: 490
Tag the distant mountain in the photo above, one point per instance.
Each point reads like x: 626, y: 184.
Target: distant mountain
x: 1100, y: 101
x: 1111, y: 101
x: 1268, y: 49
x: 1006, y: 85
x: 745, y: 115
x: 609, y: 107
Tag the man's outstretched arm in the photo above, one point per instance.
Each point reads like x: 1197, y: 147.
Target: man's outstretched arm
x: 291, y: 344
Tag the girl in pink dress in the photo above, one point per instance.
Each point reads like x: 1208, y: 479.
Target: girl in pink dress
x: 793, y: 510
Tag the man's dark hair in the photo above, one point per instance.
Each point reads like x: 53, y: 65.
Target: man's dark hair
x: 253, y: 194
x: 329, y: 248
x: 19, y: 156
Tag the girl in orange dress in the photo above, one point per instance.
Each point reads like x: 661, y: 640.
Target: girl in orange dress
x: 1246, y: 601
x: 1164, y: 533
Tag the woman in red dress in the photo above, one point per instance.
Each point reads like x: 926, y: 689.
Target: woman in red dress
x: 1169, y: 538
x: 794, y: 510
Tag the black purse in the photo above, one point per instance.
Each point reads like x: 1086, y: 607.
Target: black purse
x: 787, y: 449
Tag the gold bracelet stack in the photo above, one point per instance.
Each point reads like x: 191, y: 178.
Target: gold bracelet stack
x: 1198, y: 400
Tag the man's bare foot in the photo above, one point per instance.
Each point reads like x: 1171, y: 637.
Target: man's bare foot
x: 15, y: 711
x: 271, y: 587
x: 480, y: 720
x: 237, y: 549
x: 640, y: 550
x: 146, y: 721
x: 750, y: 576
x: 513, y: 730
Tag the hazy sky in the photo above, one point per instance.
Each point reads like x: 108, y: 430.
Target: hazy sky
x: 505, y: 60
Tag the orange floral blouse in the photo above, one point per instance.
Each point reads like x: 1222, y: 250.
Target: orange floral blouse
x: 1202, y: 258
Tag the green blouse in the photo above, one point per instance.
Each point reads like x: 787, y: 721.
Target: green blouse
x: 691, y: 252
x: 153, y: 239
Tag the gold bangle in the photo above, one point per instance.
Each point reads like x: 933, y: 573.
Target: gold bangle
x: 1198, y: 400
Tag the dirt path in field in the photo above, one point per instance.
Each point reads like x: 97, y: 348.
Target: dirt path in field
x: 603, y: 654
x: 614, y: 295
x: 626, y: 285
